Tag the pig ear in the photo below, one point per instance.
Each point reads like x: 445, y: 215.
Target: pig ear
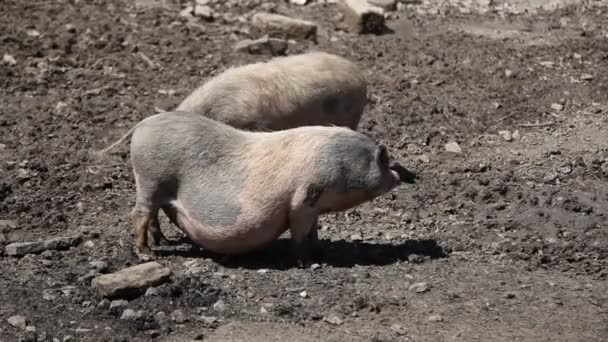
x: 382, y: 155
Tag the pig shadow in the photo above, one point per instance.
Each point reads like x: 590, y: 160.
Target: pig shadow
x: 279, y: 254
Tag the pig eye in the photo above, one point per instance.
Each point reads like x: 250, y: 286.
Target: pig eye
x: 382, y: 156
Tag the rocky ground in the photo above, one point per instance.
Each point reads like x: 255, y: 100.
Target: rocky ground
x: 501, y: 107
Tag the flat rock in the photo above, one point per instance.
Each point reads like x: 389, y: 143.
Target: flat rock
x: 280, y: 26
x: 419, y: 287
x: 453, y: 147
x: 131, y: 281
x: 6, y: 225
x: 264, y: 45
x: 36, y: 247
x: 18, y: 321
x: 362, y: 17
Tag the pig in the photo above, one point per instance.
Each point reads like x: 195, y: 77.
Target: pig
x: 232, y: 191
x: 314, y: 88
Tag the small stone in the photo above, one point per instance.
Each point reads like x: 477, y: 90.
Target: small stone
x: 424, y: 158
x: 356, y: 237
x: 419, y: 287
x: 132, y: 280
x: 178, y: 317
x: 280, y: 26
x: 18, y: 321
x: 398, y: 329
x: 547, y: 64
x: 334, y: 320
x: 130, y: 314
x: 99, y: 265
x: 9, y: 59
x: 49, y: 295
x: 550, y: 177
x: 203, y: 11
x: 89, y: 244
x: 116, y: 304
x: 435, y: 318
x: 264, y: 45
x: 586, y: 77
x: 516, y: 135
x: 303, y: 294
x: 7, y: 225
x: 103, y: 304
x: 556, y: 106
x: 315, y: 266
x: 33, y: 33
x: 362, y: 17
x: 30, y: 328
x: 387, y: 5
x: 506, y: 135
x: 206, y: 319
x: 263, y: 271
x: 453, y: 147
x: 219, y: 306
x: 160, y: 318
x: 151, y: 292
x: 508, y: 73
x: 188, y: 11
x: 69, y: 290
x: 298, y: 2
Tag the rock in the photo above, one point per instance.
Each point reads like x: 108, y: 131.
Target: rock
x: 23, y: 248
x: 69, y: 290
x: 187, y: 12
x: 516, y: 135
x: 435, y: 318
x: 203, y: 11
x: 508, y: 73
x: 386, y: 5
x: 264, y: 45
x: 453, y: 147
x: 7, y: 225
x: 99, y: 265
x: 361, y: 17
x: 356, y: 237
x: 398, y: 329
x: 298, y: 2
x: 9, y: 59
x: 586, y: 77
x: 142, y: 4
x: 152, y: 291
x: 131, y: 281
x: 49, y: 295
x: 280, y: 26
x: 303, y: 294
x: 62, y: 243
x: 130, y: 314
x: 207, y: 319
x: 161, y: 318
x: 506, y: 135
x: 550, y: 177
x: 315, y: 266
x: 219, y: 306
x: 556, y: 106
x: 89, y: 244
x: 30, y: 328
x: 116, y: 304
x: 424, y: 158
x: 18, y: 321
x: 333, y: 319
x: 419, y: 287
x: 178, y: 317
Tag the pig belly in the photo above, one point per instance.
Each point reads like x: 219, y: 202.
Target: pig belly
x: 246, y: 235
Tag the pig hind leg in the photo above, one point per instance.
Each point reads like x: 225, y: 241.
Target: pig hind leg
x: 301, y: 227
x: 144, y: 216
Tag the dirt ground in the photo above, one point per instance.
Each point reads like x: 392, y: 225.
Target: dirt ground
x: 505, y: 241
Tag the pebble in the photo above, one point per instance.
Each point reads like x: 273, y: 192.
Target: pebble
x: 132, y: 280
x: 30, y: 328
x: 207, y: 319
x: 419, y: 287
x: 9, y: 59
x: 435, y: 318
x: 506, y: 135
x: 508, y: 73
x: 36, y: 247
x: 586, y: 77
x: 356, y: 237
x: 89, y: 244
x: 160, y: 317
x: 7, y: 225
x: 99, y: 265
x: 130, y: 314
x: 49, y: 295
x: 203, y: 11
x: 263, y: 271
x: 334, y: 320
x: 151, y: 292
x: 453, y: 147
x: 219, y: 305
x: 556, y: 106
x: 118, y: 304
x: 103, y: 304
x: 18, y: 321
x: 298, y: 2
x: 315, y: 266
x: 398, y: 329
x: 303, y: 294
x: 178, y: 317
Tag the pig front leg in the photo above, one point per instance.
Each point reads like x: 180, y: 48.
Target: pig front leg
x: 302, y: 227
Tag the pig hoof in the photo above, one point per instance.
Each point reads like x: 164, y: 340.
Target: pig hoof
x: 162, y: 242
x: 145, y: 257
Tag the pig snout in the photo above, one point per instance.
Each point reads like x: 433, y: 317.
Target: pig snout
x: 405, y: 175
